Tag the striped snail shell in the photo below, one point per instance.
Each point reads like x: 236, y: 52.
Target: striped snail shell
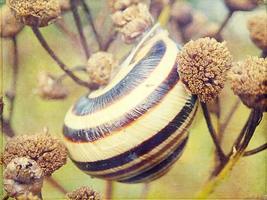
x: 135, y: 128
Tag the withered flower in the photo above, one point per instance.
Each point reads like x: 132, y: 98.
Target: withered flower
x: 9, y: 26
x: 132, y: 21
x: 83, y: 193
x: 203, y: 65
x: 51, y: 88
x: 242, y: 5
x: 99, y: 68
x: 22, y: 176
x: 117, y: 5
x: 35, y: 12
x: 257, y: 26
x: 49, y: 153
x: 249, y: 82
x: 182, y: 13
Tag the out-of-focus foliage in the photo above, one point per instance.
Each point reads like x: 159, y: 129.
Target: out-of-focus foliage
x: 247, y: 180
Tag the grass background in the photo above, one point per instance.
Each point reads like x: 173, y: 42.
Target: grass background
x: 248, y: 179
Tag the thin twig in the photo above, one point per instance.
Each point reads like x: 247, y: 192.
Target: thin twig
x: 145, y: 191
x: 77, y: 68
x: 64, y: 67
x: 91, y: 23
x: 229, y: 117
x: 226, y: 20
x: 11, y: 94
x: 111, y: 38
x: 109, y: 190
x: 55, y: 184
x: 256, y: 150
x: 213, y: 134
x: 78, y: 23
x: 7, y: 128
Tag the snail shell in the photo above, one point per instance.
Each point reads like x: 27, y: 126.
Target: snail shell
x: 135, y: 128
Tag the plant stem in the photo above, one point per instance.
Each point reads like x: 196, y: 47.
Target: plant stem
x: 78, y: 24
x: 229, y: 117
x: 223, y: 170
x: 226, y: 20
x: 111, y: 38
x: 145, y: 191
x: 55, y: 184
x: 91, y: 23
x: 45, y: 45
x: 256, y: 150
x: 213, y: 134
x: 77, y: 68
x: 109, y: 189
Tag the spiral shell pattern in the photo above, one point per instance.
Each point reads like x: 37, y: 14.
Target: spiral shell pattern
x: 134, y: 129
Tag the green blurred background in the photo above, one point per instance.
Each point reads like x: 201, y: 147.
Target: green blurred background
x: 248, y: 180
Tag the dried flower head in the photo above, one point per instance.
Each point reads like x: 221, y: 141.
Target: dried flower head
x: 9, y: 26
x: 203, y: 65
x: 132, y: 21
x: 22, y: 176
x: 257, y: 26
x: 210, y: 30
x: 243, y: 5
x: 49, y: 153
x: 99, y: 67
x: 83, y: 193
x: 249, y: 82
x: 117, y: 5
x: 35, y: 12
x: 51, y: 88
x: 28, y: 196
x: 182, y: 13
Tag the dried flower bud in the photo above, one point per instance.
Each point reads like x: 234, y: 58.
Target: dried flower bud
x: 83, y: 193
x: 22, y: 176
x: 257, y: 26
x: 9, y: 26
x: 49, y: 153
x: 203, y: 65
x: 242, y: 5
x: 249, y: 82
x: 99, y: 67
x: 35, y: 12
x: 117, y: 5
x: 182, y: 13
x: 133, y: 21
x: 50, y: 88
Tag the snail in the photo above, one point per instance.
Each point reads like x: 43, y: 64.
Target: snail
x: 134, y: 129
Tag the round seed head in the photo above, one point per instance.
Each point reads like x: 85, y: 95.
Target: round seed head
x: 99, y: 68
x: 49, y: 153
x: 35, y: 12
x: 249, y: 82
x: 203, y: 65
x: 50, y: 88
x: 83, y: 193
x: 23, y: 176
x: 9, y: 26
x: 257, y: 26
x: 242, y: 5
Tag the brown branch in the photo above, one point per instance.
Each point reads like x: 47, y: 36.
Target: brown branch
x: 45, y: 45
x: 78, y: 24
x: 109, y: 190
x: 213, y: 134
x: 55, y: 184
x: 111, y: 38
x: 256, y: 150
x: 91, y: 23
x: 145, y: 191
x: 229, y: 117
x: 225, y: 21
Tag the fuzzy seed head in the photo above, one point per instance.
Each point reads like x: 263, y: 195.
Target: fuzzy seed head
x: 242, y: 5
x: 49, y: 153
x: 50, y: 88
x: 99, y: 68
x: 132, y: 22
x: 9, y: 26
x: 21, y: 176
x: 249, y: 82
x: 37, y: 13
x: 257, y: 26
x: 203, y: 65
x: 83, y: 193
